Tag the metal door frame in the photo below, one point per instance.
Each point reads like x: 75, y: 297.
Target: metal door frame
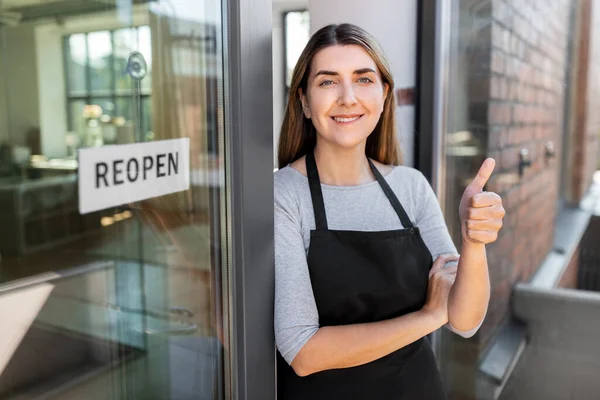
x: 248, y: 89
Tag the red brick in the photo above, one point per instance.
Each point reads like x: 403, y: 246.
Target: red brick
x: 499, y: 113
x: 498, y: 62
x: 509, y: 158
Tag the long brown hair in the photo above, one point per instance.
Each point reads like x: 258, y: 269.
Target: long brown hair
x: 298, y: 135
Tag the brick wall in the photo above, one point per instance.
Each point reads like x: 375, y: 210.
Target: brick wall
x: 528, y: 59
x: 590, y: 162
x: 516, y: 92
x: 518, y: 84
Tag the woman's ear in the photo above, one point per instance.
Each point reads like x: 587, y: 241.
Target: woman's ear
x: 304, y: 102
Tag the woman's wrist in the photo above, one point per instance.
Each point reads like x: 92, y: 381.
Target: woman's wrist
x: 471, y: 245
x: 433, y: 318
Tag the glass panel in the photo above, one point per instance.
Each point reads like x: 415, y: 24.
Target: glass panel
x: 100, y: 54
x: 76, y: 64
x: 297, y: 33
x: 76, y: 112
x: 124, y: 107
x: 147, y: 119
x: 145, y: 47
x: 522, y: 80
x: 107, y: 105
x: 124, y: 43
x: 124, y: 302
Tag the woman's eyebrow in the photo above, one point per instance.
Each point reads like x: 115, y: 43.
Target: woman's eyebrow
x: 325, y: 72
x: 357, y: 72
x: 364, y: 71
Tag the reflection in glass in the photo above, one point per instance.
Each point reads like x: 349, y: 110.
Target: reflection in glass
x: 145, y: 47
x: 124, y: 107
x: 147, y: 119
x: 126, y: 302
x: 465, y: 146
x: 77, y: 122
x: 100, y: 55
x: 124, y: 43
x: 108, y: 107
x: 76, y: 63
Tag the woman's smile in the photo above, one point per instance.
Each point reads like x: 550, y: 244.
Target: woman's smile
x: 346, y: 119
x: 345, y: 95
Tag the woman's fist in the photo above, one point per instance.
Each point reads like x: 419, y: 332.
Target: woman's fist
x: 481, y: 213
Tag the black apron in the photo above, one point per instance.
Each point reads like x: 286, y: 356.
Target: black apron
x: 360, y: 277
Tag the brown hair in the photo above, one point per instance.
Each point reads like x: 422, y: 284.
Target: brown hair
x: 298, y: 135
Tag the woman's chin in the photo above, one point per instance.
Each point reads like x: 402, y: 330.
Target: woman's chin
x: 350, y: 142
x: 346, y: 140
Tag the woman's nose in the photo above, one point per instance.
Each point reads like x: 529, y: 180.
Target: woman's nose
x: 347, y: 96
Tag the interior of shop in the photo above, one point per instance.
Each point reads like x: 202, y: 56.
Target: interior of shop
x: 124, y: 295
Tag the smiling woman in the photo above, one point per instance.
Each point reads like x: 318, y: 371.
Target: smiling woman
x: 346, y: 69
x: 357, y: 289
x: 346, y: 100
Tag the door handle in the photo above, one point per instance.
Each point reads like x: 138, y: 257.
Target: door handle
x: 181, y: 311
x: 174, y: 331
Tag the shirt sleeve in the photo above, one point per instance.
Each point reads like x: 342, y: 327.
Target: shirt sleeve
x: 431, y: 224
x: 296, y: 315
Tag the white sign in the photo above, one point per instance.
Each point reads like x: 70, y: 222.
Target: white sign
x: 110, y: 176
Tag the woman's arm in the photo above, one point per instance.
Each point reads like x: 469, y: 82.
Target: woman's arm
x: 481, y: 215
x: 470, y: 295
x: 351, y: 345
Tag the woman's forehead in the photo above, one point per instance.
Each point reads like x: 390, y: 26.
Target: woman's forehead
x: 342, y: 59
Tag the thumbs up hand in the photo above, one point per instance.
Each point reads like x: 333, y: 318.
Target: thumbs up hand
x: 481, y: 212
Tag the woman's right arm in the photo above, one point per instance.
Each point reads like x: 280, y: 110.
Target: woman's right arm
x: 345, y: 346
x: 310, y: 348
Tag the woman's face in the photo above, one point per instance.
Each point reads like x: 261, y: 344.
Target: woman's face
x: 345, y: 95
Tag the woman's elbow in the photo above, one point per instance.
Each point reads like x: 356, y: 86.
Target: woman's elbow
x: 301, y: 365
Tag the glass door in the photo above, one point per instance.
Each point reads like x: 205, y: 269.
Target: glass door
x: 122, y: 301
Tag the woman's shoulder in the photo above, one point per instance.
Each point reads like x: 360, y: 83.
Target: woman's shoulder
x: 288, y: 181
x: 409, y: 181
x: 405, y: 176
x: 287, y: 176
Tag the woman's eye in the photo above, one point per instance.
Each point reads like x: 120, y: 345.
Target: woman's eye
x: 326, y: 83
x: 364, y: 79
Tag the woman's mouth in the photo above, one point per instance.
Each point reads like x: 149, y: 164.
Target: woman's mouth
x: 346, y: 119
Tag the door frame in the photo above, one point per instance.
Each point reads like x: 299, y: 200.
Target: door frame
x: 248, y: 89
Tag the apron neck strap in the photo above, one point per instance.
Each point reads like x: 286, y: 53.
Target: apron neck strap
x: 391, y: 196
x: 316, y: 192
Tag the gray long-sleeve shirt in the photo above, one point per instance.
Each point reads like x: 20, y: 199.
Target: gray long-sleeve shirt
x: 361, y: 208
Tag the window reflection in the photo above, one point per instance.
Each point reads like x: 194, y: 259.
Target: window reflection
x: 77, y: 62
x: 100, y: 53
x: 133, y: 306
x: 124, y: 43
x: 105, y: 74
x: 522, y: 76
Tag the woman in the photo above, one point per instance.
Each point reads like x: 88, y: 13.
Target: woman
x: 357, y: 290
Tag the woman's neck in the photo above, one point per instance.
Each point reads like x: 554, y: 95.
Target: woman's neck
x: 343, y: 167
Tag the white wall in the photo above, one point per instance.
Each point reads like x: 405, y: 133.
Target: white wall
x: 394, y: 24
x: 18, y: 84
x: 51, y: 77
x: 279, y: 7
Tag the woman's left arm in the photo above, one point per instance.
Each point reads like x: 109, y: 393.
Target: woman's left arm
x: 481, y: 215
